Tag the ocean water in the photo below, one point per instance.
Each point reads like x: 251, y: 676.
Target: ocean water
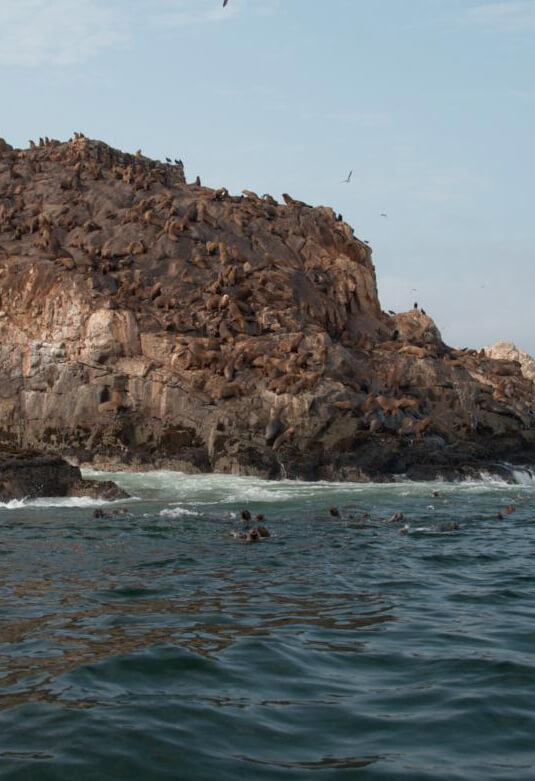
x: 151, y: 644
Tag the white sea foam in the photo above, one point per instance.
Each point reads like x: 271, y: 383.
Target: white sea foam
x: 177, y: 512
x: 185, y: 493
x: 56, y: 501
x: 523, y: 476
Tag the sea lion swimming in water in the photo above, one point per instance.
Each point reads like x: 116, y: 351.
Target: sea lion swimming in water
x: 252, y: 535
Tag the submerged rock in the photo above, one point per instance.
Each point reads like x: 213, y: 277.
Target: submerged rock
x: 146, y: 322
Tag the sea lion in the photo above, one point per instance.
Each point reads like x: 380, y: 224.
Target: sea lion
x: 114, y: 405
x: 421, y: 426
x: 220, y: 194
x: 252, y: 535
x: 274, y: 425
x: 224, y: 331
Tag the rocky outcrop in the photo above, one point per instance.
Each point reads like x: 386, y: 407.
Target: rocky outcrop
x: 29, y: 475
x: 145, y: 321
x: 508, y: 351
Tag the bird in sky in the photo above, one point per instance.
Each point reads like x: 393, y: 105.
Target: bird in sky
x: 383, y: 214
x: 224, y: 3
x: 346, y: 181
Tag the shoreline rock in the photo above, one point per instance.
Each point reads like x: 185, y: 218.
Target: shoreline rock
x: 422, y: 467
x: 31, y: 475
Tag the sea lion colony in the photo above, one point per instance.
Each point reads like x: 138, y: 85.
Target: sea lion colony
x: 144, y: 320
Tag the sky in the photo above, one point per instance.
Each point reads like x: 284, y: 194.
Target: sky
x: 431, y: 103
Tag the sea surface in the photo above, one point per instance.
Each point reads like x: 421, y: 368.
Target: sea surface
x: 151, y: 644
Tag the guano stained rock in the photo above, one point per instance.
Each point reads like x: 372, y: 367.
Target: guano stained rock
x: 148, y: 322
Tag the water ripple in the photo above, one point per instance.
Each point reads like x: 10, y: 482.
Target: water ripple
x: 152, y: 645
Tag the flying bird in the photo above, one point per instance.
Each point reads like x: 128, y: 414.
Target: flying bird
x: 348, y: 178
x: 224, y: 3
x: 383, y: 214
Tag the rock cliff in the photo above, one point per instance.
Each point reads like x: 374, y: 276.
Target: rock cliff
x: 145, y: 321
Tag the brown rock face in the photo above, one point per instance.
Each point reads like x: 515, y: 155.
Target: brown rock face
x: 508, y: 351
x: 145, y: 321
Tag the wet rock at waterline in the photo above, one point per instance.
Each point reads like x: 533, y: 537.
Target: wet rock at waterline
x: 29, y: 475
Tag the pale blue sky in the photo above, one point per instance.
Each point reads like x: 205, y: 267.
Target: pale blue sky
x: 430, y: 102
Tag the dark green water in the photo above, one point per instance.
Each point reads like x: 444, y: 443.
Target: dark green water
x: 154, y: 646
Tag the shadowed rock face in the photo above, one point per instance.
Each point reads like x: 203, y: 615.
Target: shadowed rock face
x: 145, y: 321
x: 28, y: 475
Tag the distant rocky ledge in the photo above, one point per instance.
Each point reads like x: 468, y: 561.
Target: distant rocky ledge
x: 147, y: 322
x: 30, y: 475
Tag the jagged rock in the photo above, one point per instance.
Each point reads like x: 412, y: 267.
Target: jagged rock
x: 28, y: 475
x: 148, y: 322
x: 508, y: 351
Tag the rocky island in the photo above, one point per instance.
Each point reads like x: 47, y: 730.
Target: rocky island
x: 147, y: 322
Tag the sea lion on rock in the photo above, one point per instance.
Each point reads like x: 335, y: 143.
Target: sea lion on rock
x: 288, y: 200
x: 224, y: 331
x: 114, y: 405
x: 274, y: 426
